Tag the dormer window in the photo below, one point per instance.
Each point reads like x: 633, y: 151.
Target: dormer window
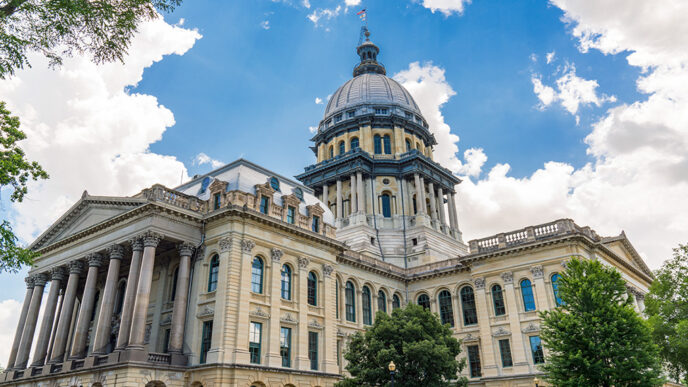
x: 298, y: 192
x: 351, y: 114
x: 381, y: 111
x: 204, y: 184
x: 264, y: 204
x: 315, y: 225
x: 216, y: 201
x: 291, y: 214
x: 337, y: 118
x: 328, y: 123
x: 409, y: 116
x: 274, y: 183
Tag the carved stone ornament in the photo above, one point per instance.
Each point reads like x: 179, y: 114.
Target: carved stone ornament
x: 276, y: 254
x: 531, y: 328
x: 116, y: 251
x: 508, y: 277
x: 29, y: 282
x: 289, y: 319
x: 565, y: 264
x: 303, y: 262
x: 147, y: 334
x: 225, y: 244
x: 501, y: 332
x: 315, y: 325
x: 327, y: 269
x: 247, y: 245
x: 58, y: 274
x: 40, y: 279
x: 166, y: 321
x: 94, y: 259
x: 260, y: 313
x: 470, y: 338
x: 76, y: 267
x: 479, y: 283
x: 340, y: 333
x: 205, y: 311
x: 136, y: 244
x: 185, y: 249
x: 151, y: 239
x: 537, y: 271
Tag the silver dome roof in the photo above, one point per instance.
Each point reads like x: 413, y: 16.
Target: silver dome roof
x: 370, y: 89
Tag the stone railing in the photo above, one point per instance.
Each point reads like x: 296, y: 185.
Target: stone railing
x: 160, y: 358
x: 528, y: 234
x: 160, y: 193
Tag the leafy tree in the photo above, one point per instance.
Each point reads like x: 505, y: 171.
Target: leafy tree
x: 422, y: 349
x: 596, y: 338
x: 667, y: 311
x: 55, y: 28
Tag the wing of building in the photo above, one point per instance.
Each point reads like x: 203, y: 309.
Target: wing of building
x: 242, y: 277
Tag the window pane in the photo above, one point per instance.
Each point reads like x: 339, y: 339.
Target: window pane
x: 354, y: 143
x: 212, y: 277
x: 470, y: 315
x: 424, y: 301
x: 350, y: 302
x: 286, y: 282
x: 342, y: 147
x: 396, y: 302
x: 386, y: 206
x: 505, y: 351
x: 381, y: 301
x: 378, y: 144
x: 285, y: 346
x: 536, y: 349
x: 474, y: 360
x: 254, y: 340
x: 336, y: 298
x: 527, y: 293
x: 313, y: 349
x: 555, y: 289
x: 316, y: 224
x: 206, y: 339
x: 264, y: 204
x: 291, y: 212
x: 257, y: 275
x: 446, y: 311
x: 367, y: 314
x: 312, y: 289
x: 388, y: 144
x: 498, y: 300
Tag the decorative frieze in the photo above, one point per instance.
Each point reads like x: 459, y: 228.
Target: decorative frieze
x: 537, y: 271
x: 289, y: 319
x: 508, y: 277
x: 501, y: 332
x: 116, y: 251
x: 276, y: 254
x: 260, y: 313
x: 479, y: 283
x: 327, y: 269
x: 314, y: 324
x: 225, y: 244
x: 471, y: 339
x: 247, y: 245
x: 185, y: 249
x: 206, y: 311
x: 531, y: 328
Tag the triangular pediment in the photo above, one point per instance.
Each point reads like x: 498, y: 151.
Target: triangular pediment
x: 87, y: 212
x: 622, y: 247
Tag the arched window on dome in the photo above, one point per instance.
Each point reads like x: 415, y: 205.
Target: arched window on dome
x: 408, y: 146
x: 354, y: 143
x: 331, y: 151
x: 342, y: 147
x: 424, y: 301
x: 528, y: 297
x: 377, y: 141
x: 388, y: 144
x: 386, y: 203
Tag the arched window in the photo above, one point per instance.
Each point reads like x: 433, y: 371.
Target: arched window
x: 366, y: 305
x: 354, y: 143
x: 213, y: 274
x: 408, y: 146
x: 331, y: 151
x: 342, y: 148
x: 388, y: 144
x: 312, y: 289
x: 257, y: 275
x: 415, y: 206
x: 286, y: 282
x: 446, y: 311
x: 555, y: 288
x: 120, y: 297
x: 386, y: 205
x: 396, y: 302
x: 173, y: 291
x: 381, y: 301
x: 377, y: 142
x: 498, y: 300
x: 527, y: 293
x: 470, y: 315
x: 350, y: 302
x: 336, y: 298
x: 424, y: 301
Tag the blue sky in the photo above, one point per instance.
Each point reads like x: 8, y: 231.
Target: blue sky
x: 565, y: 108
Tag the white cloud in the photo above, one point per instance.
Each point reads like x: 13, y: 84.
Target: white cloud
x: 318, y: 100
x: 85, y: 120
x: 9, y: 317
x: 203, y: 158
x: 306, y: 3
x: 545, y: 94
x: 447, y: 7
x: 533, y: 58
x: 550, y: 57
x: 313, y: 129
x: 324, y: 14
x: 265, y: 24
x: 352, y: 3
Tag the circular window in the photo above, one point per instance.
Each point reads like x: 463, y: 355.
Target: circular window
x: 274, y: 183
x: 385, y: 181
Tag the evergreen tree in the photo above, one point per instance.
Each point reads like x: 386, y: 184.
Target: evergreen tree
x: 596, y: 338
x: 422, y: 349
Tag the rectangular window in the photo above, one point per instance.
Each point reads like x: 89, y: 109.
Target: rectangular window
x: 505, y: 351
x: 316, y: 224
x: 264, y: 204
x: 474, y: 360
x: 166, y: 341
x: 313, y: 349
x: 291, y: 211
x: 351, y: 114
x: 536, y: 349
x: 380, y: 110
x: 205, y: 340
x: 285, y: 346
x: 254, y: 337
x: 216, y: 201
x: 337, y: 118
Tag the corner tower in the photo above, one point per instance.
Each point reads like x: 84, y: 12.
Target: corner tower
x: 376, y: 172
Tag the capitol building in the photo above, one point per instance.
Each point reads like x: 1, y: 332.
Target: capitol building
x: 243, y: 277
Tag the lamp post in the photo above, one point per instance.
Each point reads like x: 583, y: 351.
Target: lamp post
x: 392, y: 368
x: 537, y: 382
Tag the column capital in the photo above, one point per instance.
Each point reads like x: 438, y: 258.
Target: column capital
x: 40, y: 279
x: 508, y: 277
x: 276, y: 254
x: 247, y: 245
x: 151, y: 239
x: 225, y: 244
x: 185, y: 249
x: 58, y: 274
x: 136, y: 244
x: 303, y: 262
x: 537, y: 271
x: 76, y: 267
x: 29, y: 282
x: 94, y: 259
x: 327, y: 269
x: 479, y: 283
x: 116, y: 251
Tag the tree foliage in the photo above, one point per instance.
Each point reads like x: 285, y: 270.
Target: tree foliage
x: 596, y: 338
x: 422, y: 349
x: 667, y: 311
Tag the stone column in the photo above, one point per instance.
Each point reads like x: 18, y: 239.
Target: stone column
x: 489, y: 364
x: 422, y: 195
x: 339, y: 199
x: 433, y: 201
x: 329, y: 338
x: 20, y: 324
x: 325, y: 195
x: 540, y: 293
x: 130, y: 295
x: 137, y: 336
x: 416, y: 181
x: 518, y: 350
x: 104, y: 323
x: 361, y: 192
x: 352, y: 198
x: 51, y: 342
x: 57, y: 275
x: 452, y: 212
x: 39, y: 281
x: 301, y: 342
x: 273, y: 338
x: 180, y: 298
x: 95, y: 261
x: 241, y: 354
x: 66, y: 311
x: 440, y: 207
